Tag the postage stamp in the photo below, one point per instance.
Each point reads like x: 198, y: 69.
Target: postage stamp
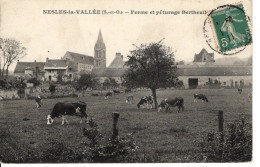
x: 230, y: 28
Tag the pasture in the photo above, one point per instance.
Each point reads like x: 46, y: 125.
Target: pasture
x: 168, y: 137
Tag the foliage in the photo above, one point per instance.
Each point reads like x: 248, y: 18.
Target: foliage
x: 21, y: 91
x: 101, y: 149
x: 151, y: 66
x: 10, y: 50
x: 86, y: 81
x: 59, y: 153
x: 236, y: 147
x: 52, y: 88
x: 35, y: 81
x: 110, y: 83
x: 60, y: 75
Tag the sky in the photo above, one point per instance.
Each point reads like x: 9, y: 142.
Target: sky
x: 51, y: 35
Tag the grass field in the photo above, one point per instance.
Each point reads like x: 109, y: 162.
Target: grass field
x: 170, y: 137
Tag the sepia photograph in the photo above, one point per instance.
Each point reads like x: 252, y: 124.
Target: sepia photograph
x: 141, y: 81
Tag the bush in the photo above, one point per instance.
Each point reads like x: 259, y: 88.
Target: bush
x: 21, y: 91
x: 101, y: 149
x: 236, y: 147
x: 59, y: 153
x: 34, y: 81
x: 52, y: 88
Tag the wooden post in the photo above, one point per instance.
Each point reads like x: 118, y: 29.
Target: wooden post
x: 115, y: 116
x: 220, y: 124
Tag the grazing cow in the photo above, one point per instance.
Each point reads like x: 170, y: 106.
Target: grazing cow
x: 200, y: 97
x: 108, y: 94
x: 66, y: 108
x: 128, y: 90
x: 146, y: 100
x: 129, y: 99
x: 38, y: 101
x: 239, y: 90
x: 249, y: 96
x: 167, y: 103
x: 116, y: 91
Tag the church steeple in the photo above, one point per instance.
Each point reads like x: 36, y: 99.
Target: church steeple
x: 100, y: 52
x: 100, y: 38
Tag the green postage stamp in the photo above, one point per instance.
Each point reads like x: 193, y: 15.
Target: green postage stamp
x: 230, y: 27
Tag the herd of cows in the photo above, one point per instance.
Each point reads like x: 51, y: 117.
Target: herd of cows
x: 62, y: 109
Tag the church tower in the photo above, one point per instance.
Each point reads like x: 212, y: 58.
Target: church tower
x: 100, y: 52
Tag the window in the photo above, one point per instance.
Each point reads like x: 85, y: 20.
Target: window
x: 224, y: 83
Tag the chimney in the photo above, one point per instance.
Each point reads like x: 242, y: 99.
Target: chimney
x: 17, y: 60
x: 34, y: 60
x: 47, y: 59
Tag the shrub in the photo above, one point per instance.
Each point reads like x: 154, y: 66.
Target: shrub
x: 21, y: 91
x: 236, y: 147
x: 101, y: 149
x: 34, y: 81
x: 52, y: 88
x: 59, y: 153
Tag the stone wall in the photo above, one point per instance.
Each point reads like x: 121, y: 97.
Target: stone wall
x: 8, y: 94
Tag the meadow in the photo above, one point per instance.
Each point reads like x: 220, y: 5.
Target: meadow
x: 165, y: 137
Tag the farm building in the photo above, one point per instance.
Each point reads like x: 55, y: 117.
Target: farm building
x: 226, y: 76
x: 30, y: 69
x: 202, y: 72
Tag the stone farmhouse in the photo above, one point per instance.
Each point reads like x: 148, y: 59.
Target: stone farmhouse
x: 201, y: 72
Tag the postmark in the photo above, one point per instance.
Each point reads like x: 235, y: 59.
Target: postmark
x: 227, y: 29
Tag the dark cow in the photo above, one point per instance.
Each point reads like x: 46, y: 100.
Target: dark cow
x: 129, y: 99
x: 116, y: 91
x: 200, y: 97
x: 108, y: 94
x: 239, y: 90
x: 168, y: 102
x: 146, y: 100
x: 249, y: 96
x: 128, y: 90
x: 38, y: 101
x: 66, y: 108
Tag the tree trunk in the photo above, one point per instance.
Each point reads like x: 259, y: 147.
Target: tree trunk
x: 155, y: 98
x: 6, y: 72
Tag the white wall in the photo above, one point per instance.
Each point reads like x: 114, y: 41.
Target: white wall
x: 203, y: 79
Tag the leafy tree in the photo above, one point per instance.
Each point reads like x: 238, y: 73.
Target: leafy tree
x: 86, y: 81
x: 10, y: 50
x: 151, y: 66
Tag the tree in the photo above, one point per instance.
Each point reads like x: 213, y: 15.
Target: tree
x: 151, y: 66
x: 86, y: 81
x: 10, y: 51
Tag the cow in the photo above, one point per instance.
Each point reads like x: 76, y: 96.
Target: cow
x: 146, y: 100
x: 129, y: 99
x: 200, y: 97
x: 239, y: 90
x: 249, y: 96
x: 128, y: 90
x: 38, y: 101
x: 108, y: 94
x: 116, y: 91
x: 171, y: 102
x: 66, y: 108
